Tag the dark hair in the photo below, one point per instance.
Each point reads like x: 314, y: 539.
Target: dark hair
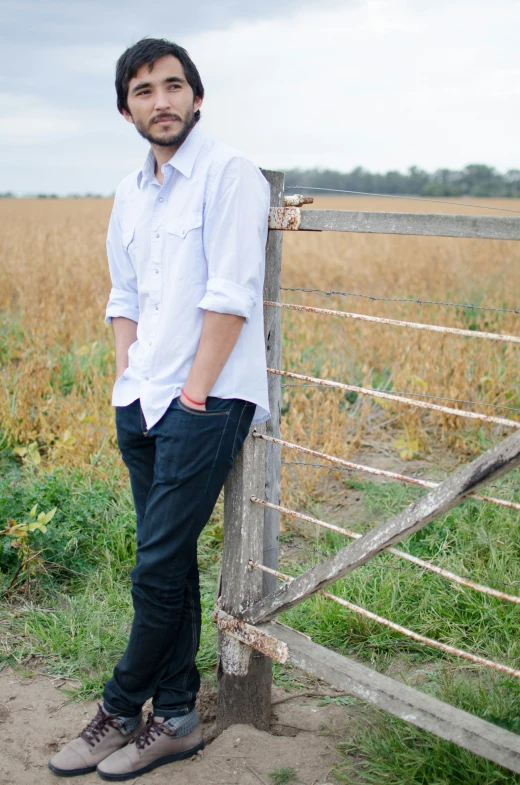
x: 146, y: 52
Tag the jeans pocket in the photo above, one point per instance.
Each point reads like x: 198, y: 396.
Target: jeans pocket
x: 214, y: 406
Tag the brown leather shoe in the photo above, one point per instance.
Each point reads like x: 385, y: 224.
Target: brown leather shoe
x: 102, y: 737
x: 155, y: 745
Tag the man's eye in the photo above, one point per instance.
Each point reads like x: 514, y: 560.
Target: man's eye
x: 143, y: 92
x: 175, y: 87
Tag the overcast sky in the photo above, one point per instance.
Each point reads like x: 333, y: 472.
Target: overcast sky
x: 383, y: 84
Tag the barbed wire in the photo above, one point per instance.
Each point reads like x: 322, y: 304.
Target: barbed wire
x: 419, y: 301
x: 364, y: 317
x: 424, y: 395
x: 407, y: 198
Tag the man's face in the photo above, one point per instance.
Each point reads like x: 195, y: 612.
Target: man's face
x: 161, y: 103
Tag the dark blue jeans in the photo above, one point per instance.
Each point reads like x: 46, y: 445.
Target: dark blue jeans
x: 177, y: 470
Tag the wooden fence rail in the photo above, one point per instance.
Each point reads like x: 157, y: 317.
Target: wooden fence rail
x: 481, y: 227
x: 249, y: 601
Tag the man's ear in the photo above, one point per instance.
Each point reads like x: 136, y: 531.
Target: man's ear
x: 128, y: 117
x: 197, y: 103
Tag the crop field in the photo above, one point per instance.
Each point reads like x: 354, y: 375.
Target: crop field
x: 57, y: 357
x: 66, y: 597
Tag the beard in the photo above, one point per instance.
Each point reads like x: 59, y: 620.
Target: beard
x: 175, y: 140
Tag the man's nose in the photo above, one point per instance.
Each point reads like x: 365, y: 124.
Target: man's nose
x: 162, y: 100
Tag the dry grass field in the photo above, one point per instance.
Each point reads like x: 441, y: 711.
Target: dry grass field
x: 57, y: 360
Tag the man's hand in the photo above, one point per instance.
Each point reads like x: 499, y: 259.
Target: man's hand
x: 125, y: 334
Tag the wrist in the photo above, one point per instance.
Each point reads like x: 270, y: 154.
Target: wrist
x: 193, y: 399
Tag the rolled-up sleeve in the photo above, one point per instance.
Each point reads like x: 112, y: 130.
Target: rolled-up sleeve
x: 123, y: 299
x: 235, y: 235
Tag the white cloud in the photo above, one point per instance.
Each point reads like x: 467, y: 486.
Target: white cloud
x: 28, y: 119
x: 91, y: 60
x: 377, y: 83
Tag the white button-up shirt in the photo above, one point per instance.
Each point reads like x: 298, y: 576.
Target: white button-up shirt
x: 195, y: 243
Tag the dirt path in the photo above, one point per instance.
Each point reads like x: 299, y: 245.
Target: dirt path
x: 36, y: 720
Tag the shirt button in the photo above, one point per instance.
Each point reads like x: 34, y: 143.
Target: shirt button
x: 156, y: 307
x: 150, y: 343
x: 157, y: 235
x: 146, y: 378
x: 156, y: 272
x: 160, y: 198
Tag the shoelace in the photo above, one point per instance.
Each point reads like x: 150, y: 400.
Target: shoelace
x: 97, y: 728
x: 149, y: 733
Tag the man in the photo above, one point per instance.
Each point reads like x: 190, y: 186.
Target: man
x: 186, y: 246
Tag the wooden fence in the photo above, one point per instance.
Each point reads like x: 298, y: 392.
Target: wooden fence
x: 248, y: 598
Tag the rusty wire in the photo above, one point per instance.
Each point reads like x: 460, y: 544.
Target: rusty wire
x: 398, y: 628
x: 451, y: 576
x: 399, y: 398
x: 359, y: 467
x: 331, y: 292
x: 435, y: 328
x: 398, y: 196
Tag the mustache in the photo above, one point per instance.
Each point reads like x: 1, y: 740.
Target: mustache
x: 165, y: 116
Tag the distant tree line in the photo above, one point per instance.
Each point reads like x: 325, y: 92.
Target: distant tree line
x: 11, y: 195
x: 473, y: 180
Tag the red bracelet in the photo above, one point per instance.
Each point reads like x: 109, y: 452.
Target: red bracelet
x: 197, y: 403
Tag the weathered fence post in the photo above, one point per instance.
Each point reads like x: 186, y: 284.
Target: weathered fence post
x: 250, y: 532
x: 273, y: 342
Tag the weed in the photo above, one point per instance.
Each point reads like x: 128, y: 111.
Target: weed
x: 20, y: 539
x: 283, y: 776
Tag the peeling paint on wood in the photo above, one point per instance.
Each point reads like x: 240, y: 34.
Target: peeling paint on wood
x: 296, y: 200
x: 234, y: 656
x: 286, y: 218
x: 252, y: 636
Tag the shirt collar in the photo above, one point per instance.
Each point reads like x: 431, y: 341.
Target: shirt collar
x: 183, y: 160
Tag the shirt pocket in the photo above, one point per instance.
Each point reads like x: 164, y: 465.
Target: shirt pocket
x: 182, y: 225
x: 185, y: 247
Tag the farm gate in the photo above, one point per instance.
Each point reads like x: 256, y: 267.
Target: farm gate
x: 248, y: 598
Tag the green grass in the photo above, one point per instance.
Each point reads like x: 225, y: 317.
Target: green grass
x: 381, y: 749
x: 78, y: 615
x: 474, y: 539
